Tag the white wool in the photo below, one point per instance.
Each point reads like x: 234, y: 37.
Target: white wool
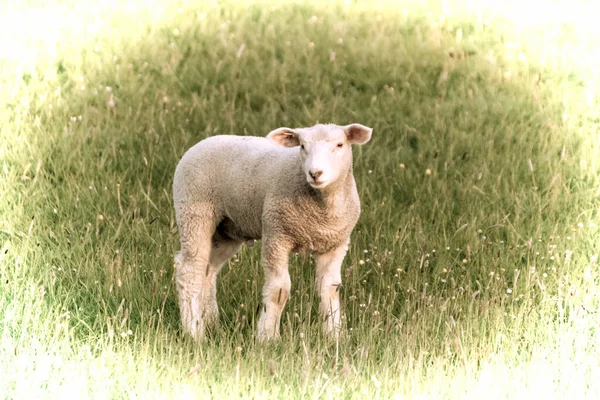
x: 294, y: 190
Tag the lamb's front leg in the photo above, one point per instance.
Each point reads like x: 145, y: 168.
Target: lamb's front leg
x: 328, y: 281
x: 276, y: 291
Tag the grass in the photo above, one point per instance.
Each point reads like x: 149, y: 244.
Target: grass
x: 472, y: 271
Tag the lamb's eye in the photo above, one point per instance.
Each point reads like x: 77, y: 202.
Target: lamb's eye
x: 340, y: 144
x: 302, y: 146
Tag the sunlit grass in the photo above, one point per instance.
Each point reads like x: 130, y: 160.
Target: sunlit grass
x: 472, y: 272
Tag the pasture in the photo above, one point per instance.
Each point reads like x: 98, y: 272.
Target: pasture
x: 472, y: 271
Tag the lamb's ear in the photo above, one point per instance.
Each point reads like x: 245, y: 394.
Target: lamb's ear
x: 284, y: 137
x: 357, y: 133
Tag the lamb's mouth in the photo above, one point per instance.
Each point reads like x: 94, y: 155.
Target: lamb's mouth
x: 317, y: 184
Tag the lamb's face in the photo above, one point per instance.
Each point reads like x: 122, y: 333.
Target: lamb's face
x: 325, y: 156
x: 324, y: 149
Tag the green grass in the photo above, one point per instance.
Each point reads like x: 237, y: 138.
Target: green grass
x: 472, y: 271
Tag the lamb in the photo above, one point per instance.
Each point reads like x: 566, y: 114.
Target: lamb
x: 294, y: 189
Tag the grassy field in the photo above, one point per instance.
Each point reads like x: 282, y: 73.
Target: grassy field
x: 472, y: 272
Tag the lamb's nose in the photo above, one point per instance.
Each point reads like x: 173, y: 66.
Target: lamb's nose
x: 315, y: 174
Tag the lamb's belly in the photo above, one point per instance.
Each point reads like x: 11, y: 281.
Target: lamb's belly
x: 239, y: 231
x: 243, y: 217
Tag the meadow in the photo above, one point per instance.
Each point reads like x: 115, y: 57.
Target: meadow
x: 472, y: 272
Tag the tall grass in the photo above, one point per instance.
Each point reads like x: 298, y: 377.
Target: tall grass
x: 472, y: 271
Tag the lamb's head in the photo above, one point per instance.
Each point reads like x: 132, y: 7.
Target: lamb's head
x: 324, y: 149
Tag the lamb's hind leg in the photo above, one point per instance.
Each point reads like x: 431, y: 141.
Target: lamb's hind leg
x: 221, y: 250
x: 196, y: 227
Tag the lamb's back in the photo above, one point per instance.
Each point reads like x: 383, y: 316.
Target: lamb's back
x: 234, y: 173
